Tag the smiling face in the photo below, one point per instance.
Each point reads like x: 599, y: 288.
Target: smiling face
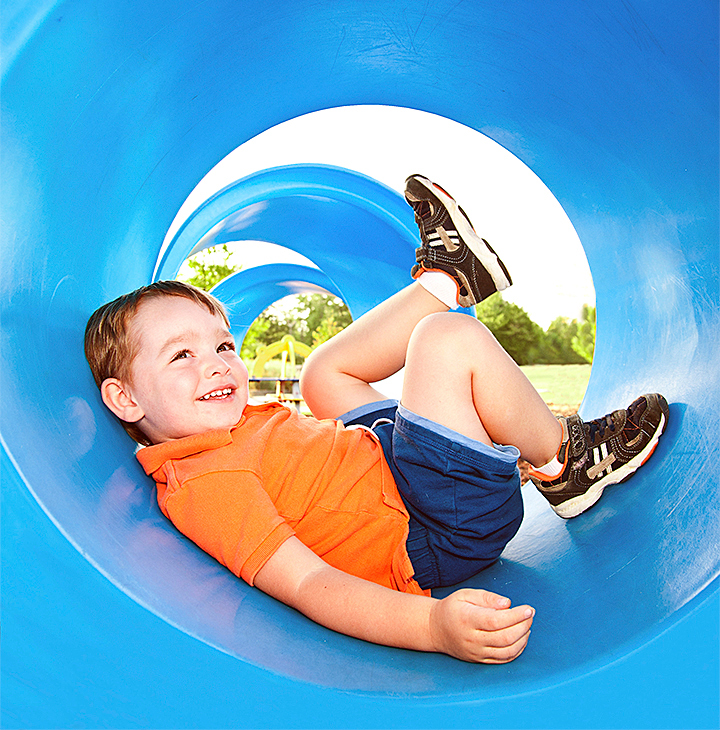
x: 187, y: 377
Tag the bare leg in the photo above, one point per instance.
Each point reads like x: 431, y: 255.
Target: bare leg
x: 458, y: 375
x: 335, y: 378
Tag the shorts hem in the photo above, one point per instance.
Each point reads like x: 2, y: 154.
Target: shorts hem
x: 507, y: 454
x: 364, y: 410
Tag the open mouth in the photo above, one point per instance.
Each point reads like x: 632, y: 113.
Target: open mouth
x: 220, y: 394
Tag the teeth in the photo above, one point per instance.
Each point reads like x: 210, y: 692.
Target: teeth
x: 217, y: 394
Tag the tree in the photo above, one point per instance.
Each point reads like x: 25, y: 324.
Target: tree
x: 255, y: 337
x: 209, y: 268
x: 313, y: 319
x: 514, y: 330
x: 557, y: 345
x: 564, y: 342
x: 584, y: 340
x: 324, y: 316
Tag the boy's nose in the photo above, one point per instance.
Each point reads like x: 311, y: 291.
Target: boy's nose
x: 217, y: 366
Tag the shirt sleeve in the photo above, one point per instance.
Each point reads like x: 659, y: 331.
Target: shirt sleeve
x: 231, y: 517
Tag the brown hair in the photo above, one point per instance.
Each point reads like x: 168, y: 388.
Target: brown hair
x: 110, y: 347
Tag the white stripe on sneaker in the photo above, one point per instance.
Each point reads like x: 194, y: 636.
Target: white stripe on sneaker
x: 601, y: 466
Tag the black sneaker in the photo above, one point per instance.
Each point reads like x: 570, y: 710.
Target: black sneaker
x: 602, y: 452
x: 450, y: 244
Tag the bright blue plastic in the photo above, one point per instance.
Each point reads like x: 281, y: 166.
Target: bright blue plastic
x: 111, y: 112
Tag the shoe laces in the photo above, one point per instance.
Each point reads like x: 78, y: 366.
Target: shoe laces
x: 423, y: 210
x: 598, y: 428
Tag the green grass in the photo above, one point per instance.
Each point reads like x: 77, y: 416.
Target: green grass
x: 559, y: 384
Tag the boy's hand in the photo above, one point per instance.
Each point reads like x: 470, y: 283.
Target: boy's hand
x: 479, y: 626
x: 474, y: 625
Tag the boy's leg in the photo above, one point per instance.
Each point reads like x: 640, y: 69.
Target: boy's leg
x: 459, y: 376
x: 454, y: 267
x: 336, y: 377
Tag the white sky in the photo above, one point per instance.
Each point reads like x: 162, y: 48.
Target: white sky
x: 507, y: 203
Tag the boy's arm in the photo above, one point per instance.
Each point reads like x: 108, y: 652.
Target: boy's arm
x: 473, y: 625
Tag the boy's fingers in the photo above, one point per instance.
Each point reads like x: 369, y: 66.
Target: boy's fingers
x: 487, y: 599
x: 497, y: 620
x: 502, y: 655
x: 506, y: 637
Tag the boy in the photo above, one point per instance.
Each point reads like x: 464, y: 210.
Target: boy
x: 354, y: 524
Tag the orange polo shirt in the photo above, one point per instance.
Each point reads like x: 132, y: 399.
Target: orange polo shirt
x: 239, y: 493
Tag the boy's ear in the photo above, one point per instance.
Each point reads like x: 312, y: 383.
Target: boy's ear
x: 119, y: 400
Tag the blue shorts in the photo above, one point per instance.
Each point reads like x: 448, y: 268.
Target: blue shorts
x: 462, y: 495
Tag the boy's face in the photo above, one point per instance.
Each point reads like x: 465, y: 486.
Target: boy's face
x: 187, y: 377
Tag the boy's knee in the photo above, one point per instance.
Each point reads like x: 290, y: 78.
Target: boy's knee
x: 449, y: 326
x: 309, y: 370
x: 451, y: 335
x: 314, y: 373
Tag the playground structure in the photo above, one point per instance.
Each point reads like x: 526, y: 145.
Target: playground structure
x: 112, y: 113
x: 287, y: 347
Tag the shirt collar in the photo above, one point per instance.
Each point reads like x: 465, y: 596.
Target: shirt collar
x: 153, y: 457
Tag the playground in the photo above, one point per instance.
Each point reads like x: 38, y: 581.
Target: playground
x: 112, y: 113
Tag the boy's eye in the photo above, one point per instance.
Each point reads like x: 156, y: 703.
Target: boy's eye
x: 229, y: 345
x: 180, y: 355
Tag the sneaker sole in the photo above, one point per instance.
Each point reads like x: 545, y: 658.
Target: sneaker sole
x: 463, y: 226
x: 577, y: 505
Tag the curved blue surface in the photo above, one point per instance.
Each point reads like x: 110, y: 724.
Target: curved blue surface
x: 247, y: 294
x: 112, y: 112
x: 360, y: 233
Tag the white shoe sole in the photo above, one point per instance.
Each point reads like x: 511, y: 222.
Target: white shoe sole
x: 577, y: 505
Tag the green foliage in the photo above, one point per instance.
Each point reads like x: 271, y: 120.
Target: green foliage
x: 313, y: 320
x: 514, y: 330
x: 326, y: 330
x: 255, y: 338
x: 557, y: 345
x: 584, y: 341
x: 564, y: 341
x: 324, y: 316
x: 208, y: 269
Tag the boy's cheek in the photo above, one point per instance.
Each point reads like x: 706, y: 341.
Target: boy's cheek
x: 238, y: 363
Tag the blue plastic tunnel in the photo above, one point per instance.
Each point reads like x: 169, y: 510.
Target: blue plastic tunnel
x: 112, y: 112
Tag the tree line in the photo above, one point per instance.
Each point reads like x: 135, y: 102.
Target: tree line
x: 565, y: 341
